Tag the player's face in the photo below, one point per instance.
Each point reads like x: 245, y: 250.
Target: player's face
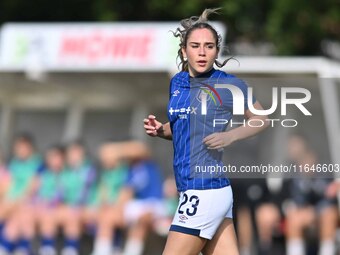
x: 55, y: 160
x: 23, y: 150
x: 108, y: 158
x: 75, y: 155
x: 201, y: 51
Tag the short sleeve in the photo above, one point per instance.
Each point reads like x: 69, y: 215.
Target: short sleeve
x: 229, y: 95
x: 170, y: 87
x: 244, y: 87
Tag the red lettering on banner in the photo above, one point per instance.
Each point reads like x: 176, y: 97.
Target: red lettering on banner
x: 121, y: 46
x: 71, y: 46
x: 93, y: 47
x: 98, y: 47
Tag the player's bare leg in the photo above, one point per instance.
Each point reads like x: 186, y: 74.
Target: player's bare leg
x: 224, y: 241
x: 297, y: 220
x: 47, y: 221
x: 137, y: 235
x: 184, y: 244
x: 267, y: 220
x: 11, y: 233
x: 70, y: 221
x: 245, y: 230
x: 110, y: 218
x: 26, y: 224
x: 328, y: 222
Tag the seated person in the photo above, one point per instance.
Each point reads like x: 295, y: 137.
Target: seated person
x: 139, y: 203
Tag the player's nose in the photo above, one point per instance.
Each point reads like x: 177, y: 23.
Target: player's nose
x: 201, y: 51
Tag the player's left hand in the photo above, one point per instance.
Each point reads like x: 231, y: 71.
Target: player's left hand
x: 218, y: 140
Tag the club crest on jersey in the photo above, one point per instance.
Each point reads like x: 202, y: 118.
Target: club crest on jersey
x: 202, y: 95
x: 207, y: 93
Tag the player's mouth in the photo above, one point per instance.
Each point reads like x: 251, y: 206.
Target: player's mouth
x: 202, y: 63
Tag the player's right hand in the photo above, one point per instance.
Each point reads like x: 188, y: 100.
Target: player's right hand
x: 152, y: 126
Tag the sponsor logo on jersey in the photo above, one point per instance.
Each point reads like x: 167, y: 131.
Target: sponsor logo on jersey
x: 176, y: 92
x: 183, y: 217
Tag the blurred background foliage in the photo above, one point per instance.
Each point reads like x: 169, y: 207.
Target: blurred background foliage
x: 292, y: 27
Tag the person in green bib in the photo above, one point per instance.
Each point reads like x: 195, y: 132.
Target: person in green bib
x: 49, y: 198
x: 105, y: 193
x: 17, y: 208
x: 77, y: 180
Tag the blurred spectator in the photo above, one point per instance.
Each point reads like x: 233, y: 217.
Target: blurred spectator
x: 105, y: 194
x: 77, y: 181
x: 4, y: 186
x: 17, y: 208
x: 139, y: 203
x: 48, y: 200
x: 309, y: 204
x: 244, y: 208
x: 5, y: 180
x: 171, y: 197
x: 145, y: 185
x: 248, y: 192
x: 269, y: 218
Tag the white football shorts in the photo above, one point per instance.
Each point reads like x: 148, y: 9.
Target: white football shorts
x: 200, y: 212
x: 138, y: 207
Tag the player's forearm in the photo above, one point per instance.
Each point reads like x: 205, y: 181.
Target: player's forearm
x: 165, y: 132
x: 246, y: 130
x: 134, y: 150
x: 129, y: 150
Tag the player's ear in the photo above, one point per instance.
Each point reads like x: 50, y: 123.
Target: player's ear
x: 184, y: 53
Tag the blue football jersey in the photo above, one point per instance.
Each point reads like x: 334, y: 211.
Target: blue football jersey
x: 197, y: 108
x: 145, y: 179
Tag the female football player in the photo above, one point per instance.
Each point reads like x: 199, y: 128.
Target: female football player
x: 198, y: 113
